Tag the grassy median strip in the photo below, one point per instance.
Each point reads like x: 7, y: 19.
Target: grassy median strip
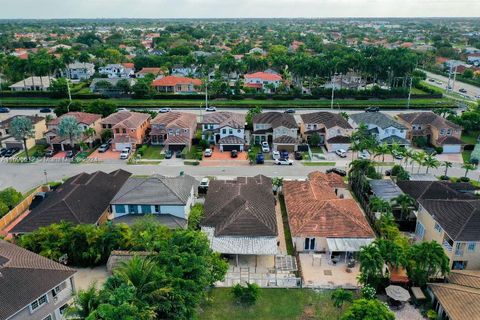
x: 320, y: 164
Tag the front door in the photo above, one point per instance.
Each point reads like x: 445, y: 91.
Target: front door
x: 309, y: 244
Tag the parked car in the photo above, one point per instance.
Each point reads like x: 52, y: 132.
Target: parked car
x: 109, y: 141
x: 203, y: 186
x: 45, y: 110
x: 164, y: 110
x: 372, y: 109
x: 265, y: 147
x: 341, y: 153
x: 289, y: 111
x: 210, y: 109
x: 50, y: 153
x: 364, y: 155
x: 283, y: 162
x: 477, y: 96
x: 3, y: 151
x: 275, y: 155
x: 70, y: 154
x: 298, y: 155
x: 340, y: 172
x: 122, y: 109
x: 125, y: 153
x: 103, y: 148
x: 431, y: 80
x: 462, y: 90
x: 397, y: 155
x: 4, y: 110
x: 284, y: 154
x: 233, y: 154
x: 178, y: 154
x: 10, y: 152
x: 260, y: 159
x: 438, y: 82
x: 207, y: 153
x: 168, y: 154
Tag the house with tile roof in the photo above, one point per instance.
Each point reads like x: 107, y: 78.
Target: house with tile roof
x: 225, y: 129
x: 323, y: 217
x: 439, y: 131
x: 177, y: 84
x: 265, y: 82
x: 33, y: 84
x: 277, y: 128
x: 31, y: 286
x: 81, y: 199
x: 167, y: 199
x: 85, y: 121
x: 174, y: 130
x: 382, y: 126
x: 457, y: 298
x: 240, y: 218
x: 333, y: 129
x: 129, y: 128
x: 7, y: 140
x: 448, y: 213
x: 156, y: 72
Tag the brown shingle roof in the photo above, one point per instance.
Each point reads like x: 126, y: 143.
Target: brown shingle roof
x: 241, y: 207
x: 231, y: 119
x: 428, y: 118
x: 25, y: 276
x: 6, y: 123
x: 82, y: 117
x: 276, y: 119
x: 131, y: 120
x: 314, y: 209
x: 176, y: 119
x: 328, y: 119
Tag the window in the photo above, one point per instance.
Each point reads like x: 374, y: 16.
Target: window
x: 58, y: 288
x: 63, y: 308
x: 132, y: 208
x: 309, y: 244
x: 119, y: 208
x: 419, y: 231
x: 471, y: 247
x: 49, y: 317
x: 146, y: 209
x: 224, y: 131
x: 449, y: 132
x: 38, y: 303
x: 437, y: 227
x: 157, y: 208
x: 230, y: 131
x: 117, y: 130
x: 239, y: 131
x: 442, y: 132
x: 124, y: 130
x: 185, y: 130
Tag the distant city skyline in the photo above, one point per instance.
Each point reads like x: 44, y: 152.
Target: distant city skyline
x: 56, y: 9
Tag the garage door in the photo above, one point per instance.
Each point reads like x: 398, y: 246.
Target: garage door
x: 335, y: 146
x: 230, y: 147
x: 287, y: 147
x: 176, y: 147
x: 452, y: 148
x: 14, y: 144
x: 119, y: 146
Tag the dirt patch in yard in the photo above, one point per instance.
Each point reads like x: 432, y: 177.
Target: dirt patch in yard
x: 308, y: 313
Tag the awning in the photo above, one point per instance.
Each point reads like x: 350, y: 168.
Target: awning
x: 347, y: 244
x: 397, y: 293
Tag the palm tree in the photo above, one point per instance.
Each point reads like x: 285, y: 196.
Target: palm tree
x: 86, y: 301
x: 371, y: 265
x: 468, y: 167
x: 420, y: 158
x: 430, y: 162
x: 446, y: 164
x: 21, y: 128
x: 69, y: 128
x: 380, y: 205
x: 407, y: 155
x: 90, y: 134
x: 405, y: 202
x: 355, y: 147
x: 382, y: 150
x: 340, y: 296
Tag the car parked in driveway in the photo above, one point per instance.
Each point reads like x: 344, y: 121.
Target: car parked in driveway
x: 10, y: 152
x: 168, y: 154
x: 3, y: 151
x: 260, y: 158
x: 265, y: 147
x: 397, y: 155
x: 50, y: 153
x: 283, y: 162
x: 125, y: 153
x: 364, y: 155
x: 275, y: 155
x: 340, y: 172
x: 233, y: 154
x: 341, y: 153
x: 284, y: 154
x: 103, y: 148
x: 178, y: 154
x: 70, y: 154
x: 207, y: 153
x: 298, y: 155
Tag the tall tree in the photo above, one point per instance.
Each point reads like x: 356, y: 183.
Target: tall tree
x: 427, y: 260
x: 366, y: 309
x: 22, y: 129
x: 405, y: 202
x: 371, y: 265
x: 69, y: 128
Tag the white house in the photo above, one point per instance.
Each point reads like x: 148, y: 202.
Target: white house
x: 185, y: 71
x: 265, y: 82
x: 80, y: 70
x: 383, y: 127
x: 226, y: 129
x: 33, y: 84
x: 116, y: 71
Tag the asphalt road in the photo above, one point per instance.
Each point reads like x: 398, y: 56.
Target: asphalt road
x: 472, y: 91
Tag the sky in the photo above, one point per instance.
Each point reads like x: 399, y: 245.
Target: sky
x: 48, y: 9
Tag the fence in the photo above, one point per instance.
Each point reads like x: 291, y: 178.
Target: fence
x: 20, y: 208
x: 270, y: 279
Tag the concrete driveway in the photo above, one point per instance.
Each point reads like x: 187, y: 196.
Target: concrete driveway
x: 107, y: 155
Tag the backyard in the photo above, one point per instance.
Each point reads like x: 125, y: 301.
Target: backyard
x: 272, y: 304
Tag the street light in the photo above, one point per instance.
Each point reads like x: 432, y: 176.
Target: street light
x: 46, y: 176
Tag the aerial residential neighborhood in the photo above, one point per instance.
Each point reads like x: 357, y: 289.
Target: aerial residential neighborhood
x: 277, y: 166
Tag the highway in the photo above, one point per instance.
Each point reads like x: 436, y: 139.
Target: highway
x: 473, y: 92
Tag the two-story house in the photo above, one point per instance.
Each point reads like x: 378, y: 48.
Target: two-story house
x: 174, y: 130
x: 33, y: 287
x: 439, y: 131
x: 80, y: 70
x: 225, y: 129
x: 383, y: 127
x: 85, y: 120
x: 265, y: 82
x: 116, y: 71
x: 184, y: 71
x: 156, y: 72
x: 279, y: 129
x: 7, y: 140
x: 129, y: 128
x: 177, y: 84
x: 333, y: 129
x: 450, y: 216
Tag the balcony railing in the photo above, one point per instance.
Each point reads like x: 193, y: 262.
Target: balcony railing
x: 447, y: 246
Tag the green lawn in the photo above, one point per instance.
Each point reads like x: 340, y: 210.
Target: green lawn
x: 470, y: 137
x: 286, y: 227
x: 324, y: 164
x: 316, y: 149
x: 466, y: 155
x: 273, y: 304
x: 153, y: 152
x: 39, y: 149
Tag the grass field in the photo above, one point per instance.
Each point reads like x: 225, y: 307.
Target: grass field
x: 273, y: 304
x: 31, y: 152
x: 153, y: 152
x: 470, y: 137
x: 247, y: 103
x: 324, y: 164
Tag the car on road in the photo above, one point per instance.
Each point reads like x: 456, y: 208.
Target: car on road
x: 275, y: 155
x: 103, y: 148
x: 372, y: 109
x: 210, y: 109
x: 283, y: 162
x: 4, y: 110
x: 462, y: 90
x: 168, y: 154
x: 341, y: 153
x: 477, y: 96
x: 289, y: 111
x: 260, y: 159
x: 203, y: 186
x: 265, y: 147
x: 233, y: 154
x: 178, y: 154
x: 364, y: 155
x: 45, y: 110
x: 397, y: 155
x: 164, y: 110
x: 431, y: 80
x: 70, y: 154
x: 207, y: 153
x: 298, y: 155
x: 49, y: 153
x: 122, y: 109
x: 438, y: 82
x: 125, y: 153
x: 340, y: 172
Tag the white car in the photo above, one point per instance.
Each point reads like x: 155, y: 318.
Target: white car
x: 265, y: 147
x: 341, y: 153
x: 210, y: 109
x: 364, y: 155
x: 121, y: 109
x: 164, y: 110
x: 477, y: 96
x: 125, y: 153
x: 207, y: 153
x: 283, y: 162
x: 275, y: 155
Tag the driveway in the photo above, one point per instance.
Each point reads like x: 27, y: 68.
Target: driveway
x: 451, y: 157
x: 107, y: 155
x: 218, y: 155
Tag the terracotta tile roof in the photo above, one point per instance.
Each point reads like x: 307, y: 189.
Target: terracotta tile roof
x: 82, y: 117
x: 153, y: 71
x: 129, y: 65
x: 131, y: 120
x: 170, y: 81
x: 265, y: 76
x: 314, y: 210
x: 428, y: 118
x: 328, y: 119
x: 176, y: 119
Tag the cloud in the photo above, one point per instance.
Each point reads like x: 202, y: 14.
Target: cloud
x: 236, y: 8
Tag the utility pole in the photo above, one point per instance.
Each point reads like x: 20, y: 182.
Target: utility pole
x: 449, y: 77
x: 69, y: 96
x: 333, y: 91
x: 454, y: 78
x: 409, y: 92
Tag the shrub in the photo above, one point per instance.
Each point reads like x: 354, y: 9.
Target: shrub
x: 368, y: 292
x: 439, y: 150
x: 420, y: 142
x: 195, y: 216
x: 464, y: 179
x: 445, y: 178
x: 203, y: 144
x: 9, y: 198
x: 247, y: 295
x: 141, y: 151
x: 432, y: 314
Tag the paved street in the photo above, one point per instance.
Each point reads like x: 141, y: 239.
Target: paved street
x: 472, y: 91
